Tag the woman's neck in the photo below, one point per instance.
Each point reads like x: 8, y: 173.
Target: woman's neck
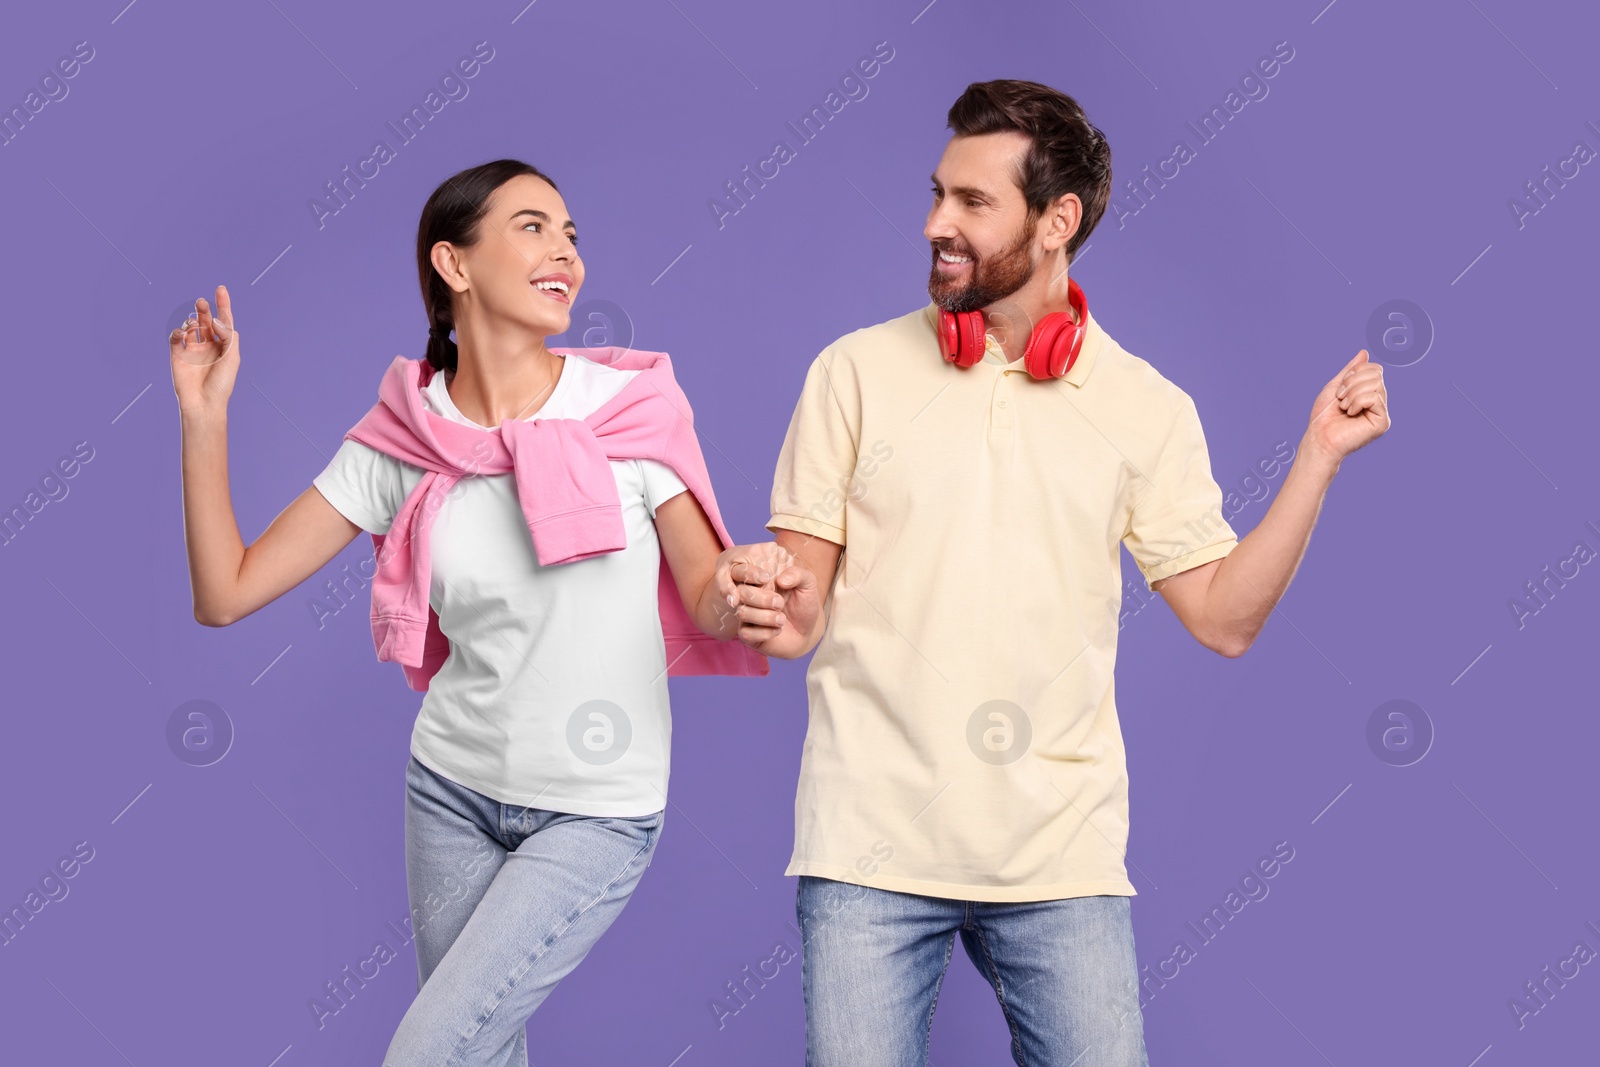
x: 513, y: 386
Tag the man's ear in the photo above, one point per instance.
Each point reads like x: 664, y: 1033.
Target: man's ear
x: 1063, y: 217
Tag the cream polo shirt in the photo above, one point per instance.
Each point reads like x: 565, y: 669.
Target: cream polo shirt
x: 963, y: 738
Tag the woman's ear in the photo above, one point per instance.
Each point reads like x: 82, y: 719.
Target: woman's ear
x: 447, y: 261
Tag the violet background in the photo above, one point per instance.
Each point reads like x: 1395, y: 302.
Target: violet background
x: 221, y: 898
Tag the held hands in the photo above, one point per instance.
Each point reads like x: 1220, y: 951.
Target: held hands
x: 1351, y: 410
x: 775, y: 599
x: 205, y: 356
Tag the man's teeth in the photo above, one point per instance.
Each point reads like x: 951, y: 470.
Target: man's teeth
x: 948, y: 258
x: 560, y: 287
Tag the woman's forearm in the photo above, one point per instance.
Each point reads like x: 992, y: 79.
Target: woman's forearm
x: 713, y: 614
x: 210, y: 530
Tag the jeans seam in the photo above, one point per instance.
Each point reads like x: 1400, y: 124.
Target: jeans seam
x: 933, y: 1005
x: 548, y: 943
x: 1000, y: 995
x: 805, y: 994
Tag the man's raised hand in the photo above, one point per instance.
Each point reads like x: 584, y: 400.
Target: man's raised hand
x: 1351, y: 410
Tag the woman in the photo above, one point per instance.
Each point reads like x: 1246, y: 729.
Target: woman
x: 535, y: 792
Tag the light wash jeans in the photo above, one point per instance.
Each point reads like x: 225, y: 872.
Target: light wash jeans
x: 872, y: 962
x: 505, y: 902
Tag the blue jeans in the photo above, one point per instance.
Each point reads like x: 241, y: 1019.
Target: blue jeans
x: 872, y: 962
x: 505, y: 902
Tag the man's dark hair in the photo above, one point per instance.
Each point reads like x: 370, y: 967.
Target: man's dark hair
x: 1068, y: 154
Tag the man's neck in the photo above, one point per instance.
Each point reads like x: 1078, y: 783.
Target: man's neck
x: 1014, y: 342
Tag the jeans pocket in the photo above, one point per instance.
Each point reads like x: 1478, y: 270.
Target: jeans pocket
x: 649, y: 825
x: 643, y: 829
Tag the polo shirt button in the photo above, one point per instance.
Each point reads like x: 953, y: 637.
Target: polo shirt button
x: 1002, y: 403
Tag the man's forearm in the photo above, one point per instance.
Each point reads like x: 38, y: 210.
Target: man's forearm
x: 1252, y: 578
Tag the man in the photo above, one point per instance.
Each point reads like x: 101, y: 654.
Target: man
x: 963, y: 769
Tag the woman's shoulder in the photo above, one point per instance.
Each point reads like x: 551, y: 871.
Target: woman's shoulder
x: 627, y: 361
x: 360, y: 457
x: 589, y: 366
x: 593, y: 383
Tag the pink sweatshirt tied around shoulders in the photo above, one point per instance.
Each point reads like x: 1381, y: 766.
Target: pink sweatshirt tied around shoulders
x: 567, y: 492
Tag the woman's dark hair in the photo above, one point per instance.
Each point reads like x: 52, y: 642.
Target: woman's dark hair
x: 452, y: 214
x: 1068, y: 153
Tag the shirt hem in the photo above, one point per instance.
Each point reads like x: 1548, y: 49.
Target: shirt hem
x: 958, y: 891
x: 547, y: 801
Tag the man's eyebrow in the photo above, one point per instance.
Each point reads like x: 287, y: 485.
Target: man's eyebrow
x: 964, y: 190
x: 541, y: 215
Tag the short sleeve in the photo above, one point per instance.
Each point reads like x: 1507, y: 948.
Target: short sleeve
x: 364, y: 485
x: 818, y: 455
x: 1177, y: 522
x: 661, y: 484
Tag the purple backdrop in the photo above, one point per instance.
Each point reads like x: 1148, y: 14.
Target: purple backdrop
x: 1365, y: 195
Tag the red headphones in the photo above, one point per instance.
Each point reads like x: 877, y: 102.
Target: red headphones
x: 1053, y: 345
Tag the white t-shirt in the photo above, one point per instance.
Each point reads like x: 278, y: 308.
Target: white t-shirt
x: 554, y: 694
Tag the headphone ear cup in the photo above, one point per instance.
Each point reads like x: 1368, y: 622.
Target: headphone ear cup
x: 1069, y: 344
x: 949, y: 338
x: 1048, y: 352
x: 973, y: 343
x: 961, y: 336
x: 1054, y: 345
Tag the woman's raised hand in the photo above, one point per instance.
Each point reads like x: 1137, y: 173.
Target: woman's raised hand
x: 205, y: 356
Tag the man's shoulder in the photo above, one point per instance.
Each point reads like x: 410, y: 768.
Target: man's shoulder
x: 1132, y: 375
x: 881, y: 342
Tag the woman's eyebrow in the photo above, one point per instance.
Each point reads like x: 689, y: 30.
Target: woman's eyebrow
x: 541, y: 215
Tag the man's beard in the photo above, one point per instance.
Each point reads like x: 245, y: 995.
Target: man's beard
x: 992, y: 279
